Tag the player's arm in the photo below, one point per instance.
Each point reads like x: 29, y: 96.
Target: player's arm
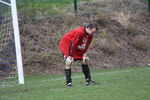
x: 72, y: 48
x: 85, y: 59
x: 74, y: 43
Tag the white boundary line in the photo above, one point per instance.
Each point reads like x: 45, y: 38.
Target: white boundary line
x: 104, y: 73
x: 80, y: 76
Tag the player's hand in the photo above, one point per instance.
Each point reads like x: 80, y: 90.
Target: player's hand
x: 85, y: 58
x: 69, y: 60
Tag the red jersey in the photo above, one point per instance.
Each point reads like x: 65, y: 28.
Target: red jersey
x: 75, y: 42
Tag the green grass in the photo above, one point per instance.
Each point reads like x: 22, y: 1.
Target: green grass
x: 51, y: 7
x: 143, y: 0
x: 116, y: 84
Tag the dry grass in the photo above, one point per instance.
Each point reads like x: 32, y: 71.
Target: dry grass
x: 132, y: 29
x: 122, y: 17
x: 71, y: 20
x: 108, y: 46
x: 141, y: 42
x: 105, y: 43
x: 102, y: 19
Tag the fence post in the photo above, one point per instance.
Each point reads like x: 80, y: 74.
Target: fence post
x: 75, y: 7
x: 149, y: 5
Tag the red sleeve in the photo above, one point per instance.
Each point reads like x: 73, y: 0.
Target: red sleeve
x: 89, y: 42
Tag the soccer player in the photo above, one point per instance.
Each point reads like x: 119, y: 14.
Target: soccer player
x: 74, y: 46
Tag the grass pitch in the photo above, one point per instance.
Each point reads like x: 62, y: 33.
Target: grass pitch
x: 115, y: 84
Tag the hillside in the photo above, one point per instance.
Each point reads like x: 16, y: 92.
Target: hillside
x: 122, y: 40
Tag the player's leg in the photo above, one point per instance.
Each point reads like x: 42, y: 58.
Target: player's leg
x: 86, y: 70
x: 68, y: 76
x: 68, y: 63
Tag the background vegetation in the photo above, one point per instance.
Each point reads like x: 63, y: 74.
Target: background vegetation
x: 122, y: 40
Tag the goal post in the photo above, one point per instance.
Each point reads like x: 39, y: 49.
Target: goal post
x: 17, y: 42
x: 15, y: 37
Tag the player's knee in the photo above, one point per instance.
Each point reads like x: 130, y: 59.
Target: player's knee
x: 85, y: 60
x: 67, y: 66
x: 69, y: 61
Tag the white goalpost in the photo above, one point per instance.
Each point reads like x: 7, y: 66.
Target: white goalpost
x: 11, y: 66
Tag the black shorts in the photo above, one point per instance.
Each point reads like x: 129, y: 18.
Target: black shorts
x: 64, y: 57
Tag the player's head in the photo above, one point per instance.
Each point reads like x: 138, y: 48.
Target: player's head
x: 91, y: 28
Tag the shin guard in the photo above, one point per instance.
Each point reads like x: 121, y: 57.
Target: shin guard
x: 86, y: 72
x: 68, y: 76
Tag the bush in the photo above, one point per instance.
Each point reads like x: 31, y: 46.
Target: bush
x: 132, y: 29
x: 141, y: 42
x: 102, y: 19
x: 71, y: 19
x: 107, y: 46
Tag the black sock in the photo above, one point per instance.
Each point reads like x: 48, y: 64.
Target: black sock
x: 68, y: 75
x: 86, y: 72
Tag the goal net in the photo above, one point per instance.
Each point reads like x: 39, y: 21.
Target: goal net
x: 11, y: 70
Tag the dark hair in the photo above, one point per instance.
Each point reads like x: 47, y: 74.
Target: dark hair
x: 92, y: 26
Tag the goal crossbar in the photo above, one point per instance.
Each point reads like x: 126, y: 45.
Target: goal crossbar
x: 6, y: 3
